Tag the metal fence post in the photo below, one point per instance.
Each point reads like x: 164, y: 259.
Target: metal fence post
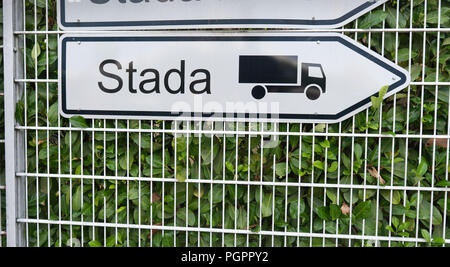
x: 14, y: 153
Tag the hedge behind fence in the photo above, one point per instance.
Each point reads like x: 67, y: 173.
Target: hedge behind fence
x: 384, y: 161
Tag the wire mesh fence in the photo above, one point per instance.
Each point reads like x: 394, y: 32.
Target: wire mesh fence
x: 379, y: 178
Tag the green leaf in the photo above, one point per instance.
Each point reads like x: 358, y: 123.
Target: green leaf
x: 320, y: 127
x: 266, y: 207
x: 181, y: 214
x: 110, y: 241
x: 181, y: 174
x: 373, y: 19
x: 333, y: 167
x: 395, y: 21
x: 389, y: 228
x: 404, y: 226
x: 95, y: 244
x: 217, y: 192
x: 324, y: 213
x: 443, y: 183
x: 438, y: 241
x: 78, y: 122
x: 255, y: 229
x: 52, y: 42
x: 358, y: 151
x: 433, y: 17
x: 36, y: 51
x: 395, y: 222
x: 335, y: 212
x: 241, y: 218
x: 76, y: 200
x: 421, y: 169
x: 426, y: 235
x: 325, y: 144
x: 376, y: 101
x: 229, y: 166
x: 416, y: 70
x: 52, y: 114
x: 425, y: 208
x: 331, y: 194
x: 405, y: 54
x: 446, y: 42
x: 396, y: 196
x: 294, y: 208
x: 362, y: 210
x: 318, y: 164
x: 19, y: 114
x: 280, y: 169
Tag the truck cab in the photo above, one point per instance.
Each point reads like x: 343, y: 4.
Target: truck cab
x: 313, y: 80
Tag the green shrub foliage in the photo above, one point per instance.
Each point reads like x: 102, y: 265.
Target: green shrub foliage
x: 140, y: 173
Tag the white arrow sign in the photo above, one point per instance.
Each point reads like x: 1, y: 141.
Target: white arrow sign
x: 251, y: 77
x: 146, y: 14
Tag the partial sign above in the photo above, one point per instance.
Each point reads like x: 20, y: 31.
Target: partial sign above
x: 148, y: 14
x: 237, y: 77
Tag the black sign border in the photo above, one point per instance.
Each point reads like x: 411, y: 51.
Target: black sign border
x: 292, y: 22
x: 169, y: 114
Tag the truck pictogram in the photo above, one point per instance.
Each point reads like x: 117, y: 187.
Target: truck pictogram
x: 279, y: 74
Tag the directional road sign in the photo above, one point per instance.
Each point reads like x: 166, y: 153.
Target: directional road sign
x: 308, y: 77
x: 147, y: 14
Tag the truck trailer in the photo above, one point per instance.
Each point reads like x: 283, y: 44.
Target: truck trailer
x: 279, y: 74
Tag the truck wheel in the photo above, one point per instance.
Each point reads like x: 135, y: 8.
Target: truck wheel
x: 313, y: 92
x: 259, y: 92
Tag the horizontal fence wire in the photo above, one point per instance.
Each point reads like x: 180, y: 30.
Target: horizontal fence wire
x: 379, y: 178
